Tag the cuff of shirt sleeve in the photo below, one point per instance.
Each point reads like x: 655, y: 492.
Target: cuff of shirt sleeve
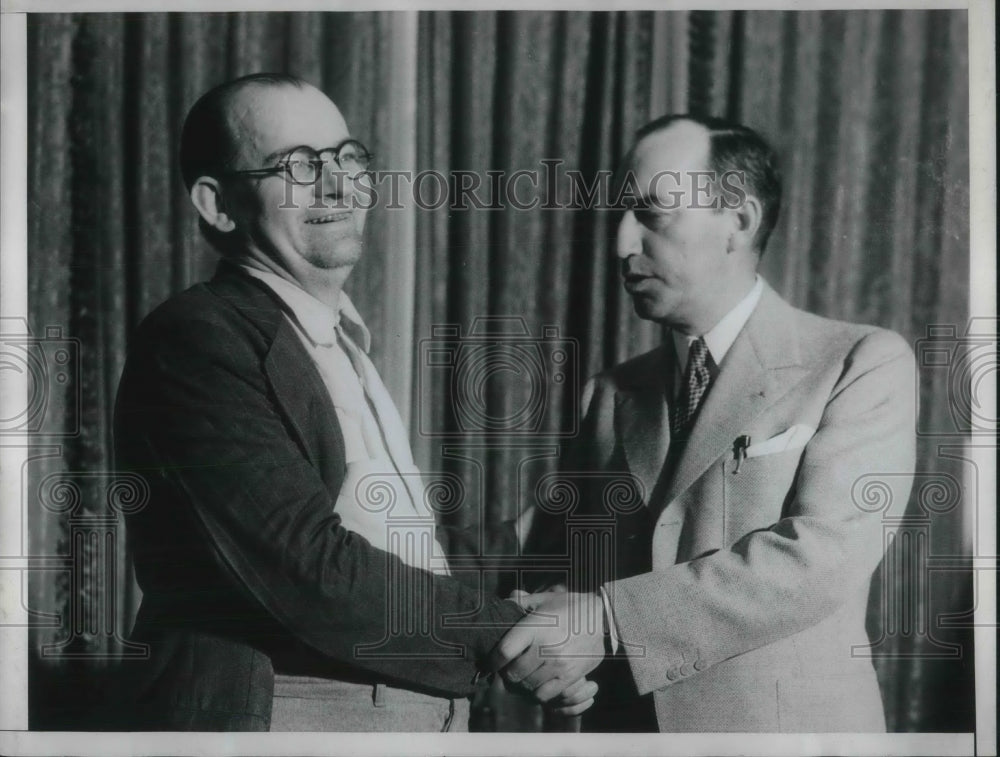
x: 609, y: 623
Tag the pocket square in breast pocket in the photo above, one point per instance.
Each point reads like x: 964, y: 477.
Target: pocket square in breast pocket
x: 794, y: 437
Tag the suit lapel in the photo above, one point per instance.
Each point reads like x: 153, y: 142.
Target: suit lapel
x: 642, y: 418
x: 306, y: 401
x: 298, y: 387
x: 762, y: 366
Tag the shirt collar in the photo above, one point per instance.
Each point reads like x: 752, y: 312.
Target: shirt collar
x: 721, y: 337
x: 318, y: 321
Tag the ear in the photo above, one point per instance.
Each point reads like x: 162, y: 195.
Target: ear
x: 747, y: 219
x: 206, y: 194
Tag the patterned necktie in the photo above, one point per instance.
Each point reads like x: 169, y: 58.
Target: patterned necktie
x: 696, y: 380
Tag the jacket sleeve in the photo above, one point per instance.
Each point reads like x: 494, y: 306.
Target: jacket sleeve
x: 197, y: 417
x: 574, y: 496
x: 781, y: 580
x: 476, y: 549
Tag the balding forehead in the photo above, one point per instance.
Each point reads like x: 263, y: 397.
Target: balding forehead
x: 262, y: 117
x: 681, y: 145
x: 248, y: 108
x: 669, y: 161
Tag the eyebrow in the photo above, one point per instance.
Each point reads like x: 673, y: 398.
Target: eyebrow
x: 280, y: 153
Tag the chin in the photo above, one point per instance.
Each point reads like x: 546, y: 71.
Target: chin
x: 344, y: 252
x: 649, y: 309
x: 348, y: 256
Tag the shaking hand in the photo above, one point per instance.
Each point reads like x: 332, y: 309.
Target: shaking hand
x: 553, y: 648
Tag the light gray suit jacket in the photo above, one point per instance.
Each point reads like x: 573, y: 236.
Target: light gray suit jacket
x: 740, y: 598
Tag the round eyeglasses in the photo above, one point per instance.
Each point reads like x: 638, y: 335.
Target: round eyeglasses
x: 304, y: 165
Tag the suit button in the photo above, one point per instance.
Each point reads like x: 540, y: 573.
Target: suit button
x: 700, y: 665
x: 686, y: 669
x: 672, y: 674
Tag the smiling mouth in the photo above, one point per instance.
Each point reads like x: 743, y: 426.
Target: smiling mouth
x: 332, y: 218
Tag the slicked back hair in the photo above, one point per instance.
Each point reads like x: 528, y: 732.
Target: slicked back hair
x: 737, y: 148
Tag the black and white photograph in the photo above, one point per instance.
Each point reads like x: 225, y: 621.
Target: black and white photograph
x: 612, y: 379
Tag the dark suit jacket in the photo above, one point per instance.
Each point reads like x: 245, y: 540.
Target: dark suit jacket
x: 742, y: 596
x: 239, y: 552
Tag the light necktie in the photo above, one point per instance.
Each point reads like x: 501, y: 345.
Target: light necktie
x: 697, y: 378
x: 390, y: 429
x: 383, y: 429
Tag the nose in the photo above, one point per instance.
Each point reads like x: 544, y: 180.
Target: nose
x: 629, y: 239
x: 334, y: 181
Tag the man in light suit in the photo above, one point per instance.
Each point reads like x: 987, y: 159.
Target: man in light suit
x: 285, y: 553
x: 734, y: 596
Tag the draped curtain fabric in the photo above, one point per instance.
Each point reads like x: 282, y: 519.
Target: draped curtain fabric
x: 868, y: 110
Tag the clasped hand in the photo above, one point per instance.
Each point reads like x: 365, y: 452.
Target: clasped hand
x: 551, y: 650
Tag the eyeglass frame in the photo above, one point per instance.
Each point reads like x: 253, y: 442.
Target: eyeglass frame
x: 282, y: 168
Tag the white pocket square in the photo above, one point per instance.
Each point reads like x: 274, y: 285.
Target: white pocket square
x: 793, y: 438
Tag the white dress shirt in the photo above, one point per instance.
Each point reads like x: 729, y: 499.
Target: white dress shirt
x: 721, y: 337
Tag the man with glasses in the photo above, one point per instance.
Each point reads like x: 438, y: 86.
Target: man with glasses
x: 279, y: 589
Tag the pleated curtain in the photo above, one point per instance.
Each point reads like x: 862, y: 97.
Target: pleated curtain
x: 868, y: 110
